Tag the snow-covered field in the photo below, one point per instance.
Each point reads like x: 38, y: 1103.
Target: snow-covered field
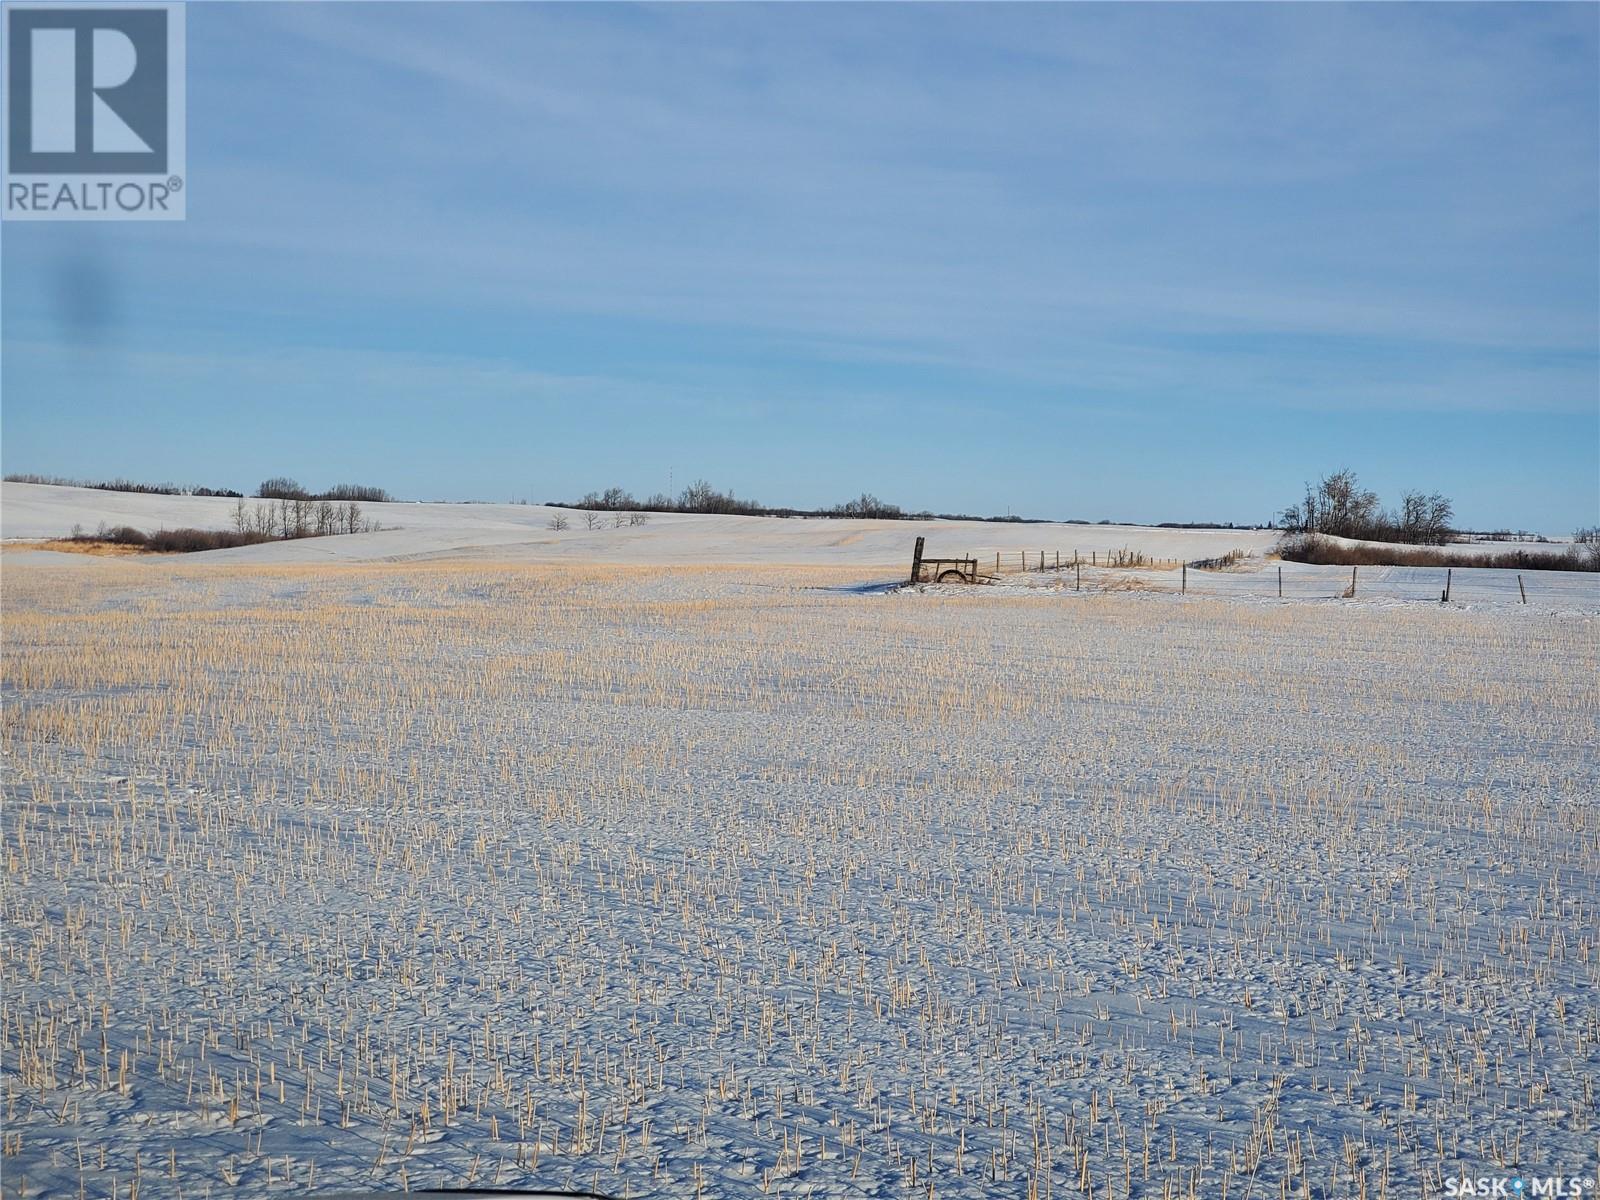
x: 515, y: 532
x: 507, y: 533
x: 757, y: 880
x: 1258, y: 580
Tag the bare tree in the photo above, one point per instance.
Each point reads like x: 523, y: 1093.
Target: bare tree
x: 1588, y: 542
x: 355, y: 491
x: 868, y: 505
x: 559, y: 522
x: 1440, y: 515
x: 1347, y: 509
x: 280, y: 487
x: 1340, y: 506
x: 697, y: 497
x: 1413, y: 515
x: 593, y: 519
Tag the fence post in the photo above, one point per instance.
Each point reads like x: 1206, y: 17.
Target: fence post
x: 916, y: 562
x: 1185, y: 579
x: 1280, y: 583
x: 1522, y: 589
x: 1078, y: 566
x: 997, y: 562
x: 1352, y: 582
x: 1448, y: 572
x: 1058, y: 560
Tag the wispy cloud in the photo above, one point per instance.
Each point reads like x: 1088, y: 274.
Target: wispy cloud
x: 1307, y: 208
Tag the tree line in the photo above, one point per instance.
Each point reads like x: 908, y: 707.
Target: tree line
x: 296, y: 517
x: 275, y: 521
x: 281, y: 487
x: 701, y: 497
x: 122, y: 485
x: 1339, y: 506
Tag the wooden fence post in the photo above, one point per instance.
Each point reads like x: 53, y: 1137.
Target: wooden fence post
x: 1522, y: 589
x: 1352, y: 582
x: 1078, y: 566
x: 1185, y: 579
x: 997, y: 562
x: 1448, y: 572
x: 1280, y: 583
x: 916, y: 562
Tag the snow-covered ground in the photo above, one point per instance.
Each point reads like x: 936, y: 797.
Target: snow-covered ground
x: 1258, y: 580
x: 505, y: 533
x: 756, y: 881
x: 514, y: 532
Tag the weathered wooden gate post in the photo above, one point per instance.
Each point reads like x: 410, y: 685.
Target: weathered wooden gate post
x: 916, y: 562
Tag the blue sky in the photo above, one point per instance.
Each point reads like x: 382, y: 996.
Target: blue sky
x: 1142, y: 262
